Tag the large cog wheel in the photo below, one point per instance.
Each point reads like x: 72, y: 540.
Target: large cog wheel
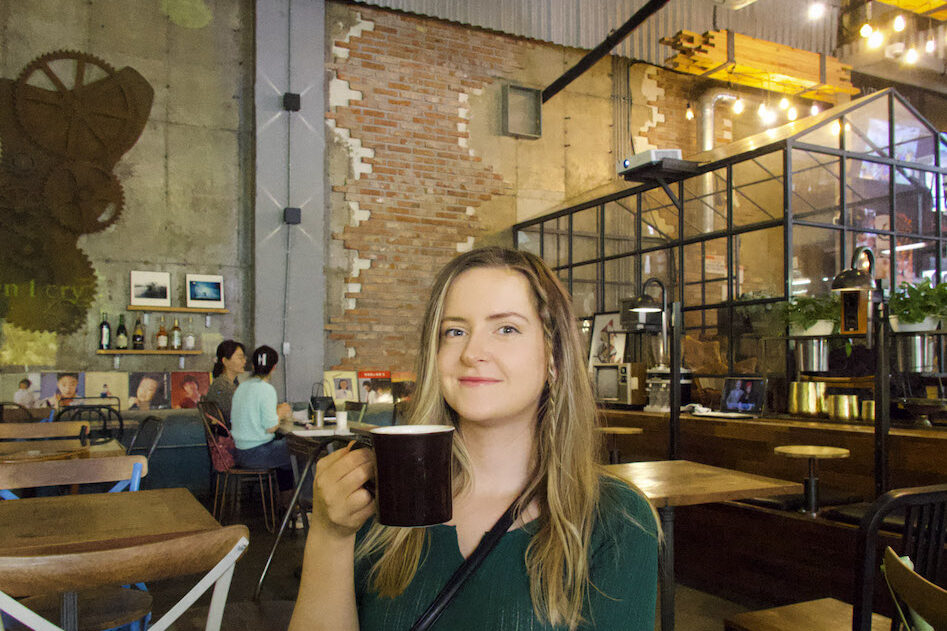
x: 84, y: 197
x: 70, y: 103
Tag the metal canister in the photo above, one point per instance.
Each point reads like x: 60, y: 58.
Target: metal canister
x: 916, y: 353
x: 806, y: 398
x: 842, y: 407
x: 812, y: 355
x: 868, y: 410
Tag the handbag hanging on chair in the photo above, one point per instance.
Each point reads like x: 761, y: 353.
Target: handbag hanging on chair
x: 318, y: 400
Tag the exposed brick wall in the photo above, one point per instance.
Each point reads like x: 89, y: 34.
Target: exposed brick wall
x: 398, y: 101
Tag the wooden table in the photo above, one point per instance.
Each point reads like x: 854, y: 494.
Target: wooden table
x: 670, y: 483
x: 813, y: 453
x: 610, y: 433
x: 99, y: 521
x: 13, y: 451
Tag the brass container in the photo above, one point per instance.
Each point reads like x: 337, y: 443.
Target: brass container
x: 868, y: 410
x: 806, y: 398
x: 842, y: 407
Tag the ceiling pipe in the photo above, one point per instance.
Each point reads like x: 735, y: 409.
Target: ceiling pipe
x: 707, y: 104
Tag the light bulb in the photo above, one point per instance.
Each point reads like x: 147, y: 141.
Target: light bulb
x: 792, y: 114
x: 689, y: 114
x: 816, y: 10
x: 767, y: 115
x: 783, y: 103
x: 876, y: 39
x: 930, y: 46
x: 865, y: 30
x: 738, y: 106
x: 813, y: 110
x: 910, y: 57
x: 899, y: 23
x: 835, y: 128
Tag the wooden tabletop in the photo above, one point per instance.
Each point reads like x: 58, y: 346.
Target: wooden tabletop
x: 819, y: 452
x: 684, y: 483
x: 27, y: 449
x: 624, y: 431
x: 98, y: 521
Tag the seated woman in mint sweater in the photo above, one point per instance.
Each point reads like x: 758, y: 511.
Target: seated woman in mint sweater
x: 255, y: 417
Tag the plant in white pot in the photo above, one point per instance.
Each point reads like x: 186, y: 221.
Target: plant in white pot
x: 917, y: 307
x: 814, y: 315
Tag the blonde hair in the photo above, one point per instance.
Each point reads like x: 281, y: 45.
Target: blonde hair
x: 565, y: 481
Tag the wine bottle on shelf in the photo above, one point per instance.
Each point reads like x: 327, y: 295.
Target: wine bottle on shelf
x: 138, y: 337
x: 177, y: 338
x: 161, y: 341
x: 190, y: 340
x: 121, y: 334
x: 105, y: 333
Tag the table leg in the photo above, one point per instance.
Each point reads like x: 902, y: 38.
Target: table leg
x: 812, y: 488
x: 289, y: 511
x: 666, y: 513
x: 69, y: 611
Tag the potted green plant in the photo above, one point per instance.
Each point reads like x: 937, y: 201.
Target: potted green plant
x: 917, y: 306
x: 814, y: 315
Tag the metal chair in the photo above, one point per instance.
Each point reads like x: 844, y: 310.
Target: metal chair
x: 14, y: 412
x: 146, y: 437
x: 922, y: 538
x: 215, y: 550
x: 216, y: 434
x: 105, y: 421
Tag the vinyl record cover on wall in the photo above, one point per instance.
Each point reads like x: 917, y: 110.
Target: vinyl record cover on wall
x: 109, y: 386
x: 60, y: 388
x: 28, y: 396
x: 187, y: 388
x: 340, y: 385
x: 148, y: 390
x: 374, y: 386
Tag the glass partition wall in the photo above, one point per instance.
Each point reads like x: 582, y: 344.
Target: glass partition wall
x: 765, y: 218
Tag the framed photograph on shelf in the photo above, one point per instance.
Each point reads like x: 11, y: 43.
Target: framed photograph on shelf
x: 151, y: 289
x: 205, y: 292
x: 607, y: 340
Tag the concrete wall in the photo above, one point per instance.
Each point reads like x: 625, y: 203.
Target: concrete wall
x: 186, y: 181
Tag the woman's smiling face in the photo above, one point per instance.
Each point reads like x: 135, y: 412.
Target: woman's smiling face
x: 491, y: 357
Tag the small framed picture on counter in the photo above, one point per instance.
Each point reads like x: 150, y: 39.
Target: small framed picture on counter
x: 205, y: 292
x: 151, y: 289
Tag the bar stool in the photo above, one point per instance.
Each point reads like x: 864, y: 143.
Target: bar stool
x: 611, y: 435
x: 813, y: 453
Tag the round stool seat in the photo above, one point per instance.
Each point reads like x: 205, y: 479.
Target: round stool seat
x: 819, y: 452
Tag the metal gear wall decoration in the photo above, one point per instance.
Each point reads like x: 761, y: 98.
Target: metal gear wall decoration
x: 65, y: 121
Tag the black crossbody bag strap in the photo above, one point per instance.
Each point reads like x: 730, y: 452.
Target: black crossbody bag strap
x: 466, y: 569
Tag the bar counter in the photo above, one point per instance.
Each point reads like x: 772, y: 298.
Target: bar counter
x: 917, y: 456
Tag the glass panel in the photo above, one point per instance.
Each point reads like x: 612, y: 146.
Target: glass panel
x: 528, y: 239
x: 866, y: 129
x: 662, y: 264
x: 705, y: 203
x: 706, y: 346
x: 556, y: 241
x: 815, y: 186
x: 815, y: 260
x: 759, y: 274
x: 912, y: 138
x: 916, y: 260
x: 620, y: 225
x: 867, y: 191
x: 943, y: 205
x: 758, y: 189
x: 585, y: 289
x: 826, y: 135
x: 619, y: 281
x: 914, y: 210
x: 754, y: 350
x: 658, y: 218
x: 585, y: 235
x: 705, y: 272
x: 880, y: 245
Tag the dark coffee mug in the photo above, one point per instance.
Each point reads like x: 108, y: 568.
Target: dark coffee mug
x: 413, y: 474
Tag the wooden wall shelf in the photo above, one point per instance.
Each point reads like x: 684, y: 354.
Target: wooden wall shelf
x: 146, y: 352
x: 175, y: 309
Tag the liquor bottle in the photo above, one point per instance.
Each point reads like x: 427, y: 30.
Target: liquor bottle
x: 121, y: 334
x: 190, y: 340
x: 138, y: 337
x: 177, y: 338
x: 161, y: 341
x: 105, y: 333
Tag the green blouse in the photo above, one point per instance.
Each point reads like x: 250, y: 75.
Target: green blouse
x: 623, y: 571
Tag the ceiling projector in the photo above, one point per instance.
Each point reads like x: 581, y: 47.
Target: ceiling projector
x: 652, y: 156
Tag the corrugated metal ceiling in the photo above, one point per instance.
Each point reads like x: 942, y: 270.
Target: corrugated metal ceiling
x: 585, y: 23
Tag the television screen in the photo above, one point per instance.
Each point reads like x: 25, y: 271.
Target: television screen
x: 606, y: 382
x: 743, y: 394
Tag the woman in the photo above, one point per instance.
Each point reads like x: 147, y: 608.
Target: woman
x: 231, y: 361
x: 501, y: 360
x: 255, y: 417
